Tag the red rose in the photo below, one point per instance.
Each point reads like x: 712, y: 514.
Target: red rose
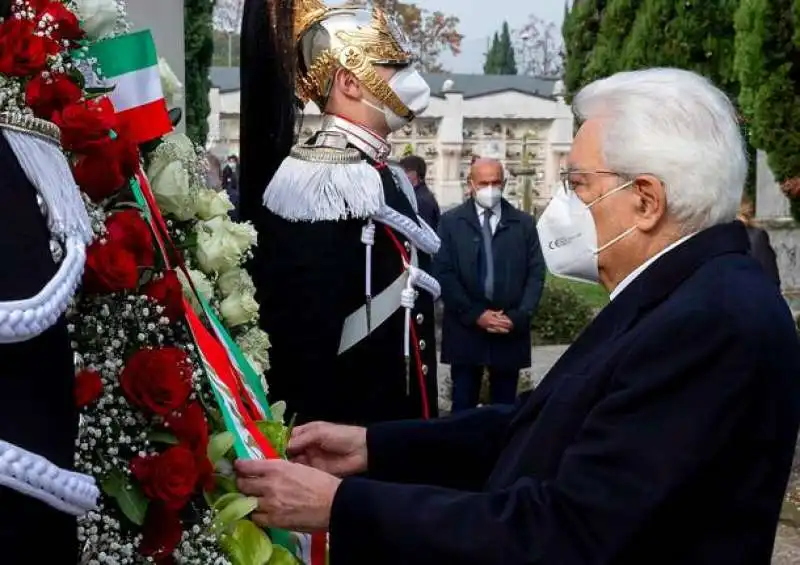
x: 86, y: 124
x: 88, y: 387
x: 106, y: 168
x: 22, y: 53
x: 110, y: 267
x: 191, y: 428
x: 65, y: 25
x: 170, y: 477
x: 127, y: 154
x: 46, y: 95
x: 168, y: 292
x: 161, y: 533
x: 157, y: 380
x: 128, y: 228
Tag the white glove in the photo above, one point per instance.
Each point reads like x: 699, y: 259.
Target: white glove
x: 368, y: 234
x: 408, y: 297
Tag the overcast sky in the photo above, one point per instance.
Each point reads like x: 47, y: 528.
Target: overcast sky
x: 481, y: 18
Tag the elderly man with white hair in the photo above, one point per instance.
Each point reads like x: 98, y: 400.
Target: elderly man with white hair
x: 664, y: 435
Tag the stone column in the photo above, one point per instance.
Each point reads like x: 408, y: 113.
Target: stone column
x: 450, y: 140
x: 770, y: 202
x: 164, y: 18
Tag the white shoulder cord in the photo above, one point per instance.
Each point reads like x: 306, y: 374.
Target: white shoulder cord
x: 35, y: 476
x: 20, y: 320
x: 368, y: 239
x: 46, y: 167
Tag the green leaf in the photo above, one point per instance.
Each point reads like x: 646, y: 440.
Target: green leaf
x: 275, y: 433
x: 247, y: 544
x: 234, y: 511
x: 219, y: 445
x: 278, y: 410
x: 163, y: 437
x: 225, y: 483
x: 225, y: 500
x: 99, y: 91
x: 282, y: 556
x: 130, y: 498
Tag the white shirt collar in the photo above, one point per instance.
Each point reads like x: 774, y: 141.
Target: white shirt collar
x: 643, y: 267
x: 496, y: 210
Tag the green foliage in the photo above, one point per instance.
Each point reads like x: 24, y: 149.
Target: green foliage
x: 500, y: 59
x: 199, y: 46
x: 581, y: 28
x: 614, y: 28
x: 562, y: 315
x: 130, y: 498
x: 492, y: 56
x: 766, y: 56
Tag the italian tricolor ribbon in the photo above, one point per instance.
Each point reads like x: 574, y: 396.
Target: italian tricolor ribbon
x: 237, y: 388
x: 129, y: 64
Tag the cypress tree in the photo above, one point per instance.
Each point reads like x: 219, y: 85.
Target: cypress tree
x: 618, y: 19
x: 580, y: 30
x: 766, y: 53
x: 199, y: 46
x: 508, y: 63
x: 490, y: 66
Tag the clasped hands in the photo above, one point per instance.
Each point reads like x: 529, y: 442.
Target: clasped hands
x: 298, y: 494
x: 495, y: 322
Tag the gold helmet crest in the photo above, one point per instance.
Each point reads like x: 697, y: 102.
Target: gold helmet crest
x: 349, y: 37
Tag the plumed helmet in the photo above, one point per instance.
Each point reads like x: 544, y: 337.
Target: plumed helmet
x: 352, y: 38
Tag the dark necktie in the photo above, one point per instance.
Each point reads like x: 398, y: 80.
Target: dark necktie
x: 488, y: 282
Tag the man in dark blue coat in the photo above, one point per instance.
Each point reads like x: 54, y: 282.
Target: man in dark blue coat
x: 665, y: 433
x: 492, y: 272
x: 416, y: 170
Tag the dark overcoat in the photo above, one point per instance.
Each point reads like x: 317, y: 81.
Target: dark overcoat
x: 519, y: 271
x: 663, y: 436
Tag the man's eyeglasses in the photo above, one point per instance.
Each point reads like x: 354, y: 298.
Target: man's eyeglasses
x: 570, y: 185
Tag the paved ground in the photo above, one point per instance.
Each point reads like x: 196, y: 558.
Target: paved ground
x: 787, y: 540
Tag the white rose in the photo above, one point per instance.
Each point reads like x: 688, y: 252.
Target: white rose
x: 170, y: 84
x: 217, y: 252
x: 211, y: 204
x: 172, y: 188
x: 201, y: 283
x: 244, y: 234
x: 174, y: 147
x: 98, y: 17
x: 239, y: 309
x: 235, y: 280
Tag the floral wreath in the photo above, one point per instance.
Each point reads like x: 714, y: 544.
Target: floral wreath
x: 152, y: 431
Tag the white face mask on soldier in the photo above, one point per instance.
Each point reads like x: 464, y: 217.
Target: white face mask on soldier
x: 568, y: 236
x: 412, y: 90
x: 488, y: 196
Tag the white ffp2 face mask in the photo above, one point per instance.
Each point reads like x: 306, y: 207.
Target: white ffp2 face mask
x: 568, y: 236
x: 488, y: 196
x: 412, y: 90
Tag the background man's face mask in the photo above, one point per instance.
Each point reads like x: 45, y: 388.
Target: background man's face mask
x: 412, y: 90
x: 488, y: 196
x: 568, y: 236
